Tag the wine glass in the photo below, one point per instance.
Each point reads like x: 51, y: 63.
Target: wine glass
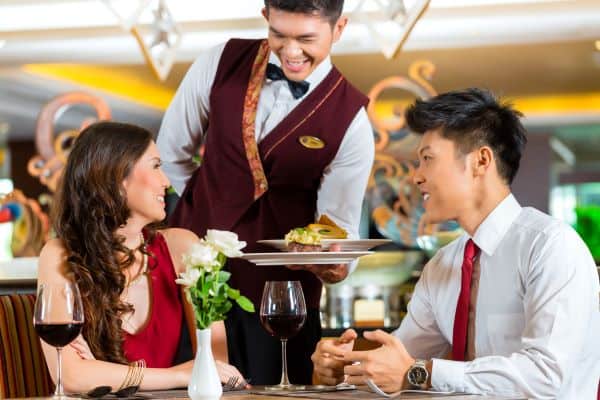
x: 58, y: 319
x: 282, y: 314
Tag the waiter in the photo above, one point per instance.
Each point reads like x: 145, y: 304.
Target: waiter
x: 286, y: 139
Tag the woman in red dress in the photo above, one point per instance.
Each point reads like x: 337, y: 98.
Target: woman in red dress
x: 112, y: 193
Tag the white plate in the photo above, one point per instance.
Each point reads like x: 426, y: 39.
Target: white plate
x: 300, y: 258
x: 346, y: 244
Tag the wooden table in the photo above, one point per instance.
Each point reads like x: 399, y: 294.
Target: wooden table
x: 339, y: 395
x: 246, y: 396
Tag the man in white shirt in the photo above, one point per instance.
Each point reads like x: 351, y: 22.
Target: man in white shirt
x: 509, y: 308
x: 287, y: 139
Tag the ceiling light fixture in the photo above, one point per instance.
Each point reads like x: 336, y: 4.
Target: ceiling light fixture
x: 127, y: 12
x: 160, y: 44
x: 390, y: 22
x: 159, y: 41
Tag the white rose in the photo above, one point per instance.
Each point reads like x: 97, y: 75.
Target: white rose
x: 203, y: 255
x: 226, y: 242
x: 189, y: 277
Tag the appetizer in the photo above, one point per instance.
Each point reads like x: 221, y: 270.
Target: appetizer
x: 309, y: 238
x: 303, y: 239
x: 328, y: 229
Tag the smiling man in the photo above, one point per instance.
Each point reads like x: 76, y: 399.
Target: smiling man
x: 287, y: 139
x: 511, y: 307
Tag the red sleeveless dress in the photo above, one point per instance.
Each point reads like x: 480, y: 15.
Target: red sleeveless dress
x: 158, y: 341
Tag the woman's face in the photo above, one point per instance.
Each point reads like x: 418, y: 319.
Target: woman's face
x: 146, y: 185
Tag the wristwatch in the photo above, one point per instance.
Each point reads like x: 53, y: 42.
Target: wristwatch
x: 417, y: 374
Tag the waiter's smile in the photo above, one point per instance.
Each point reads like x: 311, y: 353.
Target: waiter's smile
x: 295, y: 66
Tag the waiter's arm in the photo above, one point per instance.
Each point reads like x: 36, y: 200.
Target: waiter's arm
x: 345, y: 180
x: 343, y: 188
x: 185, y: 121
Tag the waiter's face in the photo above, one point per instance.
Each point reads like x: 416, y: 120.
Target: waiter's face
x: 301, y: 41
x: 445, y: 177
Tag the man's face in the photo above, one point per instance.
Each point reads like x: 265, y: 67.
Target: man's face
x: 301, y: 41
x: 445, y: 178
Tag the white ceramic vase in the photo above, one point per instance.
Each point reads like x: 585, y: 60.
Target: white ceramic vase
x: 204, y: 383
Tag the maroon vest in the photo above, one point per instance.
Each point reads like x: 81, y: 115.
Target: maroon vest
x: 221, y: 192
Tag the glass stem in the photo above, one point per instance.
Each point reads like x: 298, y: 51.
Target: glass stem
x: 59, y: 386
x: 284, y: 373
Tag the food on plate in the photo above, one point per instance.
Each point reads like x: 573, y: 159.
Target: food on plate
x: 328, y: 229
x: 303, y: 239
x: 309, y: 238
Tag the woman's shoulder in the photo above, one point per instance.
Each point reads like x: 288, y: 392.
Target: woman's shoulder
x: 52, y: 261
x: 175, y: 235
x: 179, y: 242
x: 53, y: 248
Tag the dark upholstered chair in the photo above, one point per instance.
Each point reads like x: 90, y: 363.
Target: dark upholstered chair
x: 23, y: 370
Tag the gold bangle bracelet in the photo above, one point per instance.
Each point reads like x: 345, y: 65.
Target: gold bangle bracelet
x: 136, y: 373
x: 125, y: 382
x: 140, y: 374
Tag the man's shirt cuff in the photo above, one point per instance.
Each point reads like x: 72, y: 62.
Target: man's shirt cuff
x: 448, y: 376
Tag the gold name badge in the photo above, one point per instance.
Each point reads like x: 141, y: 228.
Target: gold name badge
x: 311, y: 142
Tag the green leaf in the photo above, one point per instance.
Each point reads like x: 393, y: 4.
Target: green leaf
x: 227, y: 306
x: 245, y: 304
x: 233, y: 293
x: 223, y: 276
x: 205, y: 288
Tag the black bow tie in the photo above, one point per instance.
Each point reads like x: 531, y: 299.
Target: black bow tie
x: 298, y: 89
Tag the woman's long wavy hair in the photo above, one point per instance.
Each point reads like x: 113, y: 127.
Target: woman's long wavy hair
x: 90, y: 206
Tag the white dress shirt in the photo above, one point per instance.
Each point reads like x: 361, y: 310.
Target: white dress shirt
x: 185, y: 122
x: 537, y: 322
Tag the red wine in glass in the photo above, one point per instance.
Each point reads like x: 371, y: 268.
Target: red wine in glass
x: 283, y: 326
x: 58, y: 319
x: 57, y: 334
x: 282, y: 314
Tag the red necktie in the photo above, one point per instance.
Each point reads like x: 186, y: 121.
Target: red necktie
x: 461, y: 319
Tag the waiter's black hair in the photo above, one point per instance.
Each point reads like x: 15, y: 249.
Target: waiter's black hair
x: 472, y: 118
x: 330, y: 9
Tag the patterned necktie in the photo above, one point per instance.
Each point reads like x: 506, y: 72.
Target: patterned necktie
x: 298, y: 89
x: 461, y: 319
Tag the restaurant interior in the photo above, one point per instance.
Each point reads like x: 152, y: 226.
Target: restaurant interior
x: 66, y: 63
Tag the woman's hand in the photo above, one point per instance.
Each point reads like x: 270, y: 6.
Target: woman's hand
x: 82, y: 348
x: 226, y: 371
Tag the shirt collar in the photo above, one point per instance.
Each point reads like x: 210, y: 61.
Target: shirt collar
x: 493, y: 228
x: 315, y: 77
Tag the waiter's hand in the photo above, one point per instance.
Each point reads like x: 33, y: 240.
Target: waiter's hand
x: 386, y: 366
x: 328, y: 358
x: 328, y: 273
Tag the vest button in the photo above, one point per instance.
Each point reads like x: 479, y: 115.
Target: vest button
x: 263, y: 186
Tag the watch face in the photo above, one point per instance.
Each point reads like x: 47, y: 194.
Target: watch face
x: 417, y: 375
